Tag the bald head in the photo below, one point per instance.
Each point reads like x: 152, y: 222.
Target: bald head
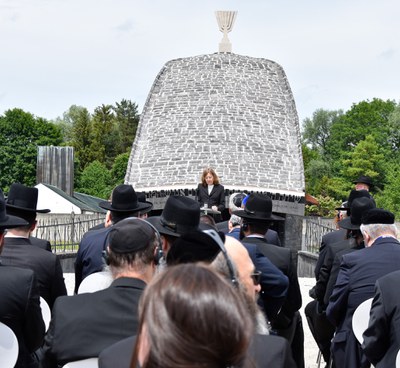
x: 244, y: 265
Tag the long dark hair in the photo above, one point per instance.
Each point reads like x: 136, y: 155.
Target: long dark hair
x: 191, y: 317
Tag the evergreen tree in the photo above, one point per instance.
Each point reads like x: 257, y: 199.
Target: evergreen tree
x: 80, y: 119
x: 105, y: 139
x: 128, y: 119
x: 365, y: 159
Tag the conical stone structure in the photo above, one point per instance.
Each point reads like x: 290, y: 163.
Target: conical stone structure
x: 234, y: 113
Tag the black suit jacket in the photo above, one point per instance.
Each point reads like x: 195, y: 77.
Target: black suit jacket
x: 20, y: 310
x: 41, y: 243
x: 215, y: 198
x: 325, y: 270
x: 272, y: 237
x: 329, y: 238
x: 355, y: 283
x: 382, y: 339
x: 265, y: 350
x: 19, y: 252
x: 335, y: 270
x: 89, y: 258
x: 282, y: 259
x: 83, y: 325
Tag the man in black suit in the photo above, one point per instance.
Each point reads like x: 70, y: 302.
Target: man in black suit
x: 265, y: 350
x: 256, y: 217
x: 235, y: 204
x: 321, y: 328
x: 179, y: 216
x: 124, y: 203
x: 355, y: 283
x: 19, y: 295
x: 83, y: 325
x: 19, y: 252
x: 382, y: 339
x: 22, y: 202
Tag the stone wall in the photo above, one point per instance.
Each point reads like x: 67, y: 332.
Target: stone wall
x: 234, y: 113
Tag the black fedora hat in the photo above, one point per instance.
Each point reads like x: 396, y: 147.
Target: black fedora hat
x: 192, y: 247
x: 179, y: 216
x: 124, y: 199
x: 258, y: 207
x: 358, y: 208
x: 21, y: 197
x: 364, y: 179
x: 8, y: 221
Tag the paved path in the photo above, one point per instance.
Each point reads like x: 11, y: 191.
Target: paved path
x: 310, y: 348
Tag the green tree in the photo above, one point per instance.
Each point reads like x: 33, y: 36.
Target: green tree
x: 389, y: 199
x: 128, y: 119
x: 95, y: 180
x: 80, y: 119
x: 394, y: 130
x: 118, y: 170
x: 325, y: 208
x: 364, y: 118
x: 365, y: 159
x: 105, y: 140
x: 317, y: 130
x: 66, y: 128
x: 20, y: 135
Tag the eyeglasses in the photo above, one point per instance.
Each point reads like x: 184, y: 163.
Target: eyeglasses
x: 256, y: 276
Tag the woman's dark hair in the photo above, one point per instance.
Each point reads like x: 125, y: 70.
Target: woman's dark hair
x: 191, y: 317
x: 211, y: 171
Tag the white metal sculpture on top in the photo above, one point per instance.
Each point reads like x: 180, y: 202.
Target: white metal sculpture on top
x: 225, y: 20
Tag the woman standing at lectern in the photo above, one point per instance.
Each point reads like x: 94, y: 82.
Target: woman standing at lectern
x: 210, y: 193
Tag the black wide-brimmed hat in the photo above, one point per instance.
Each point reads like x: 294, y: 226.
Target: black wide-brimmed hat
x: 23, y: 198
x: 124, y: 199
x: 8, y: 221
x: 192, y: 247
x: 258, y: 207
x: 179, y: 216
x: 358, y: 208
x: 364, y: 179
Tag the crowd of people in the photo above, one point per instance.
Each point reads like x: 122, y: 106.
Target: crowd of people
x: 191, y: 290
x: 354, y: 264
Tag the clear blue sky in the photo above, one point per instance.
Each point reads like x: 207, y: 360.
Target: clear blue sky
x: 56, y: 53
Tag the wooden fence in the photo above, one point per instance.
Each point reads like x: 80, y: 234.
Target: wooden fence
x: 65, y: 231
x: 315, y: 228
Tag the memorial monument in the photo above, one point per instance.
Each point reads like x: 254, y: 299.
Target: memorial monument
x: 232, y: 112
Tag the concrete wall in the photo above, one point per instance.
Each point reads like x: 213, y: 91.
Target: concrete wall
x: 306, y: 264
x: 67, y: 261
